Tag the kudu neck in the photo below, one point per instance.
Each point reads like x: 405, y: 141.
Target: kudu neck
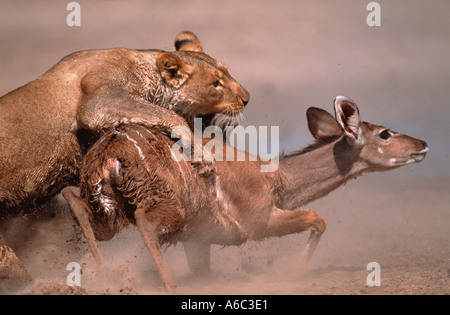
x: 318, y: 170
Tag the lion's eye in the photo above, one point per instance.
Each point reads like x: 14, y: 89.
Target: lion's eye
x: 217, y: 84
x: 385, y: 134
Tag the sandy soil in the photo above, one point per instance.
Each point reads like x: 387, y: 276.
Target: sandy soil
x: 383, y: 224
x: 291, y: 54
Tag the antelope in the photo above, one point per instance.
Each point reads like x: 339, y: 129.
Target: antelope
x: 130, y: 177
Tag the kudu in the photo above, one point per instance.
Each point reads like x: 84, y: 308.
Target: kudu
x: 129, y: 176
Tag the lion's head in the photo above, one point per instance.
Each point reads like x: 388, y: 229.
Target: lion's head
x: 199, y: 85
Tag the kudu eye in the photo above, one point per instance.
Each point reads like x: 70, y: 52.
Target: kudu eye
x: 385, y: 134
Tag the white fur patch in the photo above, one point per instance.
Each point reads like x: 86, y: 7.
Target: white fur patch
x: 380, y: 150
x: 219, y: 193
x: 225, y: 217
x: 141, y: 154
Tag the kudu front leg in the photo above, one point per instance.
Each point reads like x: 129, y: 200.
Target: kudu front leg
x: 285, y: 222
x: 199, y: 257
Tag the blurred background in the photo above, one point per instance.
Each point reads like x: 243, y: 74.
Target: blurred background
x: 291, y: 55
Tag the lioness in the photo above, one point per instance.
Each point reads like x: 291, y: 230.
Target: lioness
x: 46, y: 124
x: 43, y: 124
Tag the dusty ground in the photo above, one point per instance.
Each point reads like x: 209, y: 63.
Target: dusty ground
x: 382, y: 224
x: 290, y: 55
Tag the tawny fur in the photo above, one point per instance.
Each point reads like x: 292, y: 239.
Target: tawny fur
x: 46, y: 124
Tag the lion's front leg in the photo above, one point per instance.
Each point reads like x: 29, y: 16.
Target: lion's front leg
x: 105, y: 110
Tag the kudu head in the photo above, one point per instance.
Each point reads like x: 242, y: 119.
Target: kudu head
x: 377, y: 147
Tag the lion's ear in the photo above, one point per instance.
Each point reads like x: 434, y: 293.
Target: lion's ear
x: 173, y: 69
x: 187, y: 41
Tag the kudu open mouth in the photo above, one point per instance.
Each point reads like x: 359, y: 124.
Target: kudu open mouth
x: 417, y: 157
x: 413, y: 158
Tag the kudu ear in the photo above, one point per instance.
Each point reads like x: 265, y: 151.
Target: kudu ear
x: 321, y: 124
x: 187, y: 41
x: 347, y: 115
x: 174, y: 71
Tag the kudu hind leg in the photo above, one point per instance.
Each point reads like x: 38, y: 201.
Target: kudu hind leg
x: 80, y: 211
x: 149, y: 232
x: 285, y: 222
x: 198, y: 256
